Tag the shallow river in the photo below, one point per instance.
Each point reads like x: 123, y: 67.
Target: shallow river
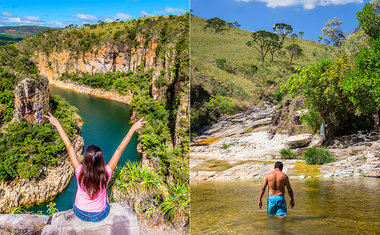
x: 105, y: 124
x: 322, y: 206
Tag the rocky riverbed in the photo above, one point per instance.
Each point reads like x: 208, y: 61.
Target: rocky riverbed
x: 244, y: 147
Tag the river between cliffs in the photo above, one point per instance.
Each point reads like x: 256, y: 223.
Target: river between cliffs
x: 322, y: 206
x: 105, y: 123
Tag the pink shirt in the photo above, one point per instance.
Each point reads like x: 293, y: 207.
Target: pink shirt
x: 82, y: 198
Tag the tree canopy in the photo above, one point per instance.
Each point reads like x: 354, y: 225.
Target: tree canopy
x: 262, y: 41
x: 333, y: 32
x: 283, y: 30
x: 216, y: 24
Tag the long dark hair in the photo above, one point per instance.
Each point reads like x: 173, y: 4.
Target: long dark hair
x: 93, y: 177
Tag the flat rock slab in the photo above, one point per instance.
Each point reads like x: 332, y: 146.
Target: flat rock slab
x: 121, y: 220
x: 298, y: 141
x: 22, y: 224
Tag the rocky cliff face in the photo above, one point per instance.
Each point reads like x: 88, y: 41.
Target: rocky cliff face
x: 31, y: 100
x: 29, y: 191
x: 111, y: 57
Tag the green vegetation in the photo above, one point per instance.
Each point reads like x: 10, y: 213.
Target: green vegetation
x: 169, y: 200
x: 288, y: 154
x: 317, y: 156
x: 124, y: 33
x: 51, y: 209
x: 223, y: 65
x: 26, y: 149
x: 5, y: 39
x: 225, y: 146
x: 344, y: 89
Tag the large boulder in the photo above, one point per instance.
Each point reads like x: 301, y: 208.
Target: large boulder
x: 22, y: 224
x: 299, y: 141
x: 121, y: 220
x: 31, y: 100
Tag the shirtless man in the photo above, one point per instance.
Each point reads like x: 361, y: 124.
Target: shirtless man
x: 277, y: 180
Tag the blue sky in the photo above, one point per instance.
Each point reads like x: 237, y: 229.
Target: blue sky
x: 61, y: 13
x: 308, y: 16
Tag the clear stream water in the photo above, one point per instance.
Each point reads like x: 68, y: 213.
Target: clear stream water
x: 322, y: 206
x: 105, y: 124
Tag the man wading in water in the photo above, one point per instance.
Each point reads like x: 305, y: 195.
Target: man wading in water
x: 276, y: 180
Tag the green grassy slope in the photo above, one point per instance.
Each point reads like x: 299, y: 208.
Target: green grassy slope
x: 242, y: 88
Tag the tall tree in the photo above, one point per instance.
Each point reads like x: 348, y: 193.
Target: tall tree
x: 301, y: 33
x: 237, y: 25
x: 282, y: 30
x: 230, y: 25
x: 294, y: 51
x: 262, y: 41
x: 216, y: 24
x: 275, y: 45
x: 333, y: 32
x: 294, y: 36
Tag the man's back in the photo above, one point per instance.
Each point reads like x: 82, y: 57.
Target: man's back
x: 276, y: 182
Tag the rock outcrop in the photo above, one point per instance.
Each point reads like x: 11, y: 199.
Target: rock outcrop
x: 29, y: 191
x: 31, y: 100
x: 298, y: 141
x: 121, y: 220
x: 22, y: 224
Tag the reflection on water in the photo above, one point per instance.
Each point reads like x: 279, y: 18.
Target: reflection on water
x: 322, y: 207
x: 105, y: 124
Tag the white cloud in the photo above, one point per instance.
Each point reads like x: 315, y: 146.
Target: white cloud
x: 56, y: 24
x: 109, y: 19
x: 31, y: 18
x: 85, y: 16
x: 11, y: 19
x: 120, y: 16
x: 171, y: 11
x: 123, y: 16
x: 144, y: 13
x: 307, y: 4
x: 5, y: 13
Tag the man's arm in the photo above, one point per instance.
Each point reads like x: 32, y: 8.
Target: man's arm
x: 262, y: 191
x: 116, y: 156
x: 290, y: 191
x: 73, y: 157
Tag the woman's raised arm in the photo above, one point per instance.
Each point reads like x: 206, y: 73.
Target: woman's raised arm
x: 116, y: 156
x: 66, y: 141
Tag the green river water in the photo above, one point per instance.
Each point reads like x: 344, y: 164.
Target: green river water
x: 105, y: 124
x: 322, y: 206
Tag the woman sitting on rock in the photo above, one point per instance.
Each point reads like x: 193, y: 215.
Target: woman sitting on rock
x: 91, y: 202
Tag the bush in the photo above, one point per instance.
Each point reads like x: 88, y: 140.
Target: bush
x: 312, y: 120
x: 221, y: 63
x: 318, y: 156
x: 288, y: 154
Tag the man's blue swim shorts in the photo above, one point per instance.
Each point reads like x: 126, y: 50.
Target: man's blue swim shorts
x: 276, y: 205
